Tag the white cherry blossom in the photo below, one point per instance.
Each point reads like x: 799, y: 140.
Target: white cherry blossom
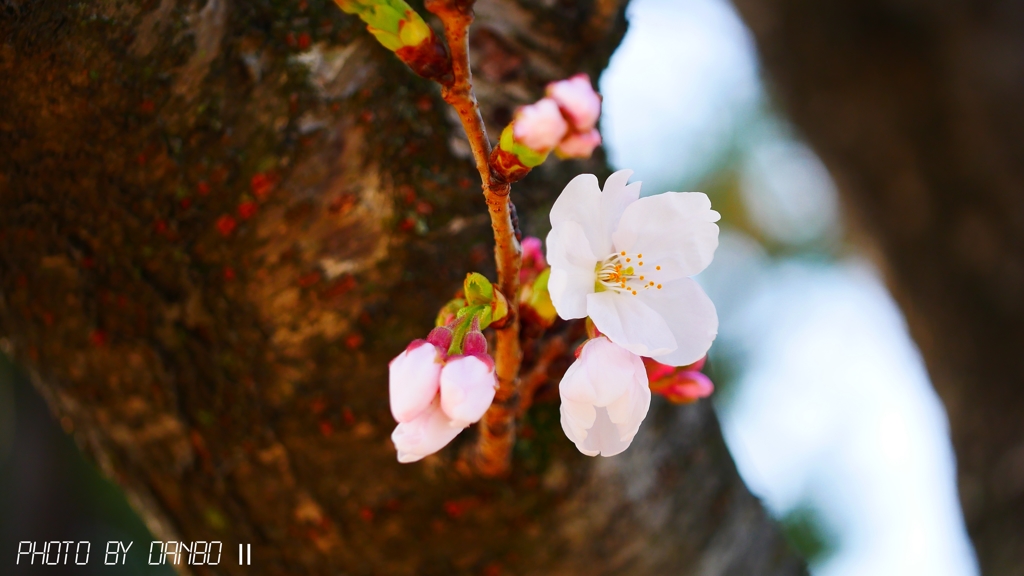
x: 605, y: 397
x: 626, y: 262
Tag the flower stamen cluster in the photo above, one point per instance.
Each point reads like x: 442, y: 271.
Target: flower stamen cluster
x: 616, y: 272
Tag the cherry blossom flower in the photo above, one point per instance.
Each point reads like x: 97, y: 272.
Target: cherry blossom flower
x: 539, y: 126
x: 605, y: 397
x: 625, y: 262
x: 434, y: 396
x: 578, y: 101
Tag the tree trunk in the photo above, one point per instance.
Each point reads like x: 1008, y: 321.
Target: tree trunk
x: 220, y: 220
x: 916, y: 107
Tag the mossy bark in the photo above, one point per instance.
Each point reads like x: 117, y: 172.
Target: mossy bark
x: 916, y: 109
x: 219, y: 221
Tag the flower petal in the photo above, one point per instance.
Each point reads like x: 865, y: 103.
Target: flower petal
x: 575, y: 384
x: 609, y: 369
x: 691, y: 317
x: 621, y: 411
x: 426, y: 434
x: 413, y: 380
x: 539, y: 126
x: 570, y: 433
x: 615, y: 197
x: 579, y: 145
x: 680, y: 225
x: 572, y: 269
x: 577, y: 99
x: 629, y: 411
x: 580, y: 202
x: 604, y: 437
x: 577, y: 418
x: 627, y: 321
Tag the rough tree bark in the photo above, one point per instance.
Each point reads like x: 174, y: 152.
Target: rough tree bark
x: 219, y: 220
x: 916, y: 107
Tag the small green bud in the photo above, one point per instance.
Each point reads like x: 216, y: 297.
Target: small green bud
x: 530, y: 158
x: 413, y: 30
x: 478, y: 289
x: 540, y: 298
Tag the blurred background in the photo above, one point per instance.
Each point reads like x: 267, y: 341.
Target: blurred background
x: 823, y: 397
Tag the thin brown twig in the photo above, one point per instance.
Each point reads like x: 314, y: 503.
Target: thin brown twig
x: 539, y: 374
x: 492, y: 454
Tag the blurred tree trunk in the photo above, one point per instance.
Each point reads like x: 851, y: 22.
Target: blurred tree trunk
x: 918, y: 109
x: 218, y: 222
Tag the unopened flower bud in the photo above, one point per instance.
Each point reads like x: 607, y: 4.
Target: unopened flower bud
x: 579, y: 145
x: 685, y: 387
x: 578, y: 101
x: 475, y: 344
x: 414, y: 379
x: 402, y: 30
x: 657, y: 371
x: 539, y: 126
x: 698, y: 365
x: 605, y: 397
x: 533, y: 258
x: 679, y: 385
x: 535, y: 305
x: 467, y: 388
x: 441, y: 337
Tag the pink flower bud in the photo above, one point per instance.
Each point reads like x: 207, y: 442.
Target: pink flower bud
x: 533, y: 255
x: 539, y: 126
x: 414, y: 377
x: 657, y: 371
x: 698, y: 365
x: 684, y: 387
x: 475, y: 344
x: 441, y: 337
x: 578, y: 101
x: 430, y: 431
x: 579, y: 145
x: 467, y: 388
